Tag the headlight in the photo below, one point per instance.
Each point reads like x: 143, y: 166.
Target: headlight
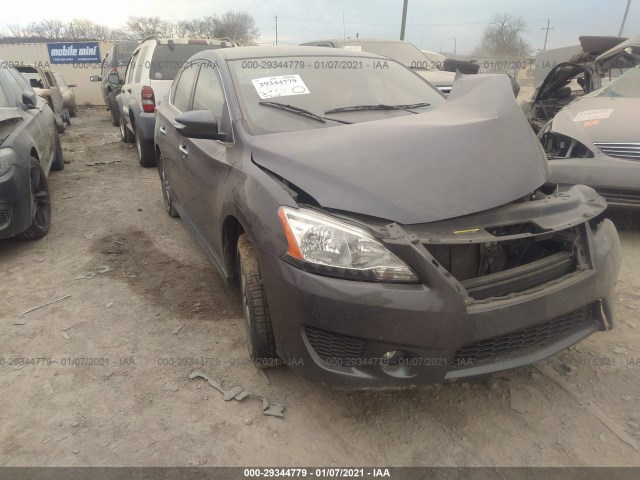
x: 6, y: 160
x: 327, y: 246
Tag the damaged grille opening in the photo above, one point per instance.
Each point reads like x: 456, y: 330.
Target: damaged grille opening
x: 560, y: 146
x: 500, y: 268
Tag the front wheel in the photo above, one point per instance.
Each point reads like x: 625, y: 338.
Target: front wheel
x: 167, y: 194
x: 260, y: 338
x: 40, y: 203
x: 58, y: 159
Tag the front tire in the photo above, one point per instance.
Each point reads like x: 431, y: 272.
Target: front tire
x: 58, y: 159
x: 167, y: 194
x: 146, y: 153
x: 113, y: 108
x: 260, y: 338
x: 40, y: 203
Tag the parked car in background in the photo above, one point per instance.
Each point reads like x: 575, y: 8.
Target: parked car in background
x: 378, y: 232
x: 68, y: 95
x: 403, y: 52
x: 116, y: 60
x: 153, y: 66
x: 29, y: 149
x: 596, y: 141
x: 566, y: 74
x: 44, y: 84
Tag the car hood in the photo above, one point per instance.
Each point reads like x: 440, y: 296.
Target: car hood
x: 9, y: 119
x: 437, y: 78
x: 599, y: 119
x: 474, y: 152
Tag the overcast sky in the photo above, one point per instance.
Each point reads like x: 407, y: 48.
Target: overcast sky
x: 431, y: 24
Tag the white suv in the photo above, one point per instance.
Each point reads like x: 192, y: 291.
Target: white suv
x: 150, y: 73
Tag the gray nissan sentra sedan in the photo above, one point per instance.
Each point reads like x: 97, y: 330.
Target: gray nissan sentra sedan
x: 380, y: 235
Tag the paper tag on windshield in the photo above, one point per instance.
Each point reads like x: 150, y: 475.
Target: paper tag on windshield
x: 281, y: 86
x: 355, y: 48
x: 593, y: 115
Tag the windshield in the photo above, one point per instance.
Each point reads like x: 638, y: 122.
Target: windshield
x: 626, y: 85
x: 403, y: 52
x: 321, y: 84
x: 166, y: 62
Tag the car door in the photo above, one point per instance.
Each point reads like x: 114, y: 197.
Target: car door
x: 54, y: 90
x: 169, y: 140
x: 126, y: 88
x: 39, y: 122
x: 205, y: 161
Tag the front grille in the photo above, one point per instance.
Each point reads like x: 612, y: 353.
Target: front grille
x: 5, y: 215
x: 335, y: 348
x: 537, y: 335
x: 619, y: 196
x: 620, y: 150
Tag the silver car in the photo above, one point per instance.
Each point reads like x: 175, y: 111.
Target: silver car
x: 595, y: 141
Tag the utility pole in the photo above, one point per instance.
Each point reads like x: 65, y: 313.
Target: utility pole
x: 455, y: 45
x: 546, y: 35
x: 276, y: 30
x: 344, y: 28
x: 404, y: 19
x: 624, y: 19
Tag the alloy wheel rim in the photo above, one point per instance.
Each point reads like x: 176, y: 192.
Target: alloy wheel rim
x: 41, y: 203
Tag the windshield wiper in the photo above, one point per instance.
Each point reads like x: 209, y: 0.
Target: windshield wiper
x: 300, y: 111
x: 382, y: 106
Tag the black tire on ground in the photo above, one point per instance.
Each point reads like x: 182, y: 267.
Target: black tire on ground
x: 146, y: 153
x: 73, y: 111
x: 58, y: 159
x: 167, y: 194
x: 125, y: 134
x: 59, y: 123
x: 260, y: 338
x: 114, y: 109
x: 40, y: 203
x: 468, y: 68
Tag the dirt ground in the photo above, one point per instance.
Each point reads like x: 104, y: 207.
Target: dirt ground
x: 140, y: 292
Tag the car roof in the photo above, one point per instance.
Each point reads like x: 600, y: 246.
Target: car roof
x: 238, y: 53
x: 346, y: 41
x: 631, y: 42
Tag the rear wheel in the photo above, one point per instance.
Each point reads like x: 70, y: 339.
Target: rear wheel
x: 125, y: 134
x: 146, y: 153
x: 58, y: 159
x: 40, y: 203
x: 260, y: 338
x: 73, y: 111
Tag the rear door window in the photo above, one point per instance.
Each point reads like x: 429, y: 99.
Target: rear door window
x: 131, y: 68
x: 140, y: 64
x: 166, y: 62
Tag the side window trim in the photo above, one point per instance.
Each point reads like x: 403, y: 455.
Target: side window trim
x: 140, y: 64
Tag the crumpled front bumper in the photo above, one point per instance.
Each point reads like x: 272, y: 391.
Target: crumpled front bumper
x: 434, y: 321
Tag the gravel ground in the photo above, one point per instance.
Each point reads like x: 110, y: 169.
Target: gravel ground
x: 137, y: 291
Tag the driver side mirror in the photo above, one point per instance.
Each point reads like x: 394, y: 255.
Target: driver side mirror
x: 198, y: 124
x: 29, y: 100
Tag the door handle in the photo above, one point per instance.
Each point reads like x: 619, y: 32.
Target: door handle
x: 163, y: 131
x: 183, y: 150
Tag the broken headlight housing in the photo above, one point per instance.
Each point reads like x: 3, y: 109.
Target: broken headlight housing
x: 327, y: 246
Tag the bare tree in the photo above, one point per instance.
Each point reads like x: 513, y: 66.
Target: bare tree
x: 82, y: 29
x: 198, y: 27
x: 142, y: 27
x: 238, y: 26
x: 503, y: 36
